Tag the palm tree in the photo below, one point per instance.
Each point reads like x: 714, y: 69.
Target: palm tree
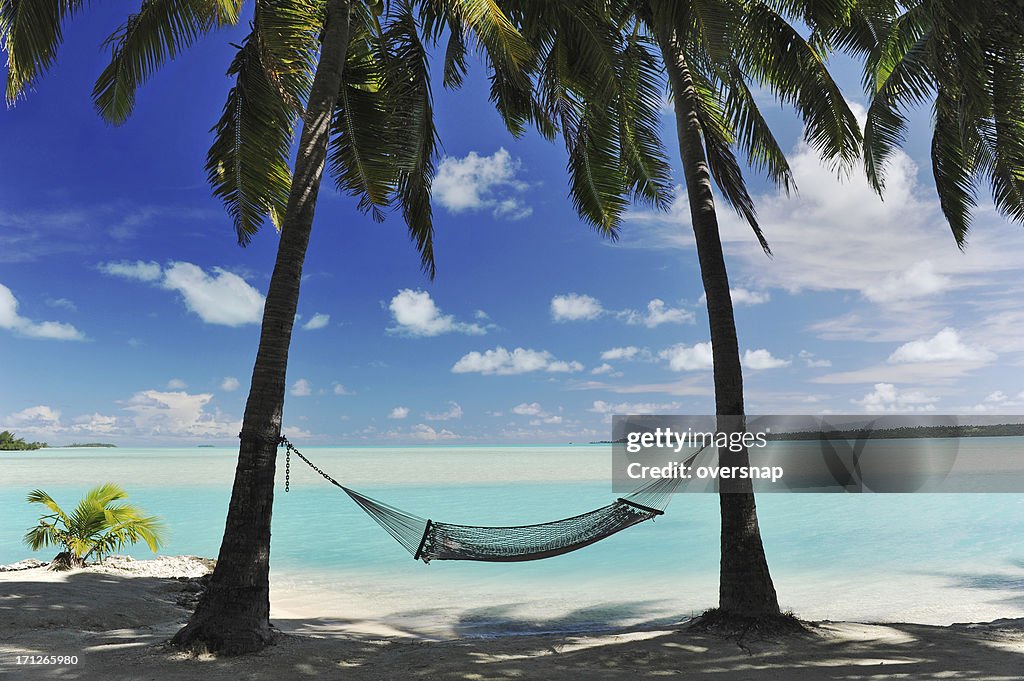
x: 967, y: 60
x: 357, y: 77
x: 605, y: 101
x: 96, y: 526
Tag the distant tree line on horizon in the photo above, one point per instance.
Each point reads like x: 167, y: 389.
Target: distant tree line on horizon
x: 9, y: 442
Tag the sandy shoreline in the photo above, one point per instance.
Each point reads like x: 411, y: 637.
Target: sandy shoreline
x: 116, y: 618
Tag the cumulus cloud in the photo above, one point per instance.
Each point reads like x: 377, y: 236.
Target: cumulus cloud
x: 422, y: 432
x: 503, y: 362
x: 454, y: 411
x: 605, y: 368
x: 628, y: 352
x: 339, y: 389
x: 142, y: 271
x: 812, y: 362
x: 176, y: 384
x: 683, y: 357
x: 832, y: 237
x: 608, y: 409
x: 574, y: 307
x: 301, y: 388
x: 531, y: 409
x: 945, y: 346
x: 416, y: 314
x: 761, y: 359
x: 317, y: 321
x: 11, y: 320
x: 34, y: 417
x: 178, y: 413
x: 477, y: 182
x: 886, y: 397
x: 658, y: 313
x: 399, y: 413
x: 218, y: 297
x: 229, y: 384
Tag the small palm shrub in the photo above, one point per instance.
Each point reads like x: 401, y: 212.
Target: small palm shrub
x: 97, y: 527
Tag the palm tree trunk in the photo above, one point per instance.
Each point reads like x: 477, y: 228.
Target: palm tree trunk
x: 234, y: 614
x: 745, y: 584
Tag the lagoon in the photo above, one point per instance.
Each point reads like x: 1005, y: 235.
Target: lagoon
x: 929, y: 558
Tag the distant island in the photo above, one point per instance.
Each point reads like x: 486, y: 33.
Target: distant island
x: 90, y: 444
x: 1000, y: 430
x: 8, y: 442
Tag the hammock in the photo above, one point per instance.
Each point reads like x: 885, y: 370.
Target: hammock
x: 429, y: 540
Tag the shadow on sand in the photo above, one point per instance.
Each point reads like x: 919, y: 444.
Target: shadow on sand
x: 117, y: 625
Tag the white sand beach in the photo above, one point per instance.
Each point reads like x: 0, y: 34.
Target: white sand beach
x: 116, y: 619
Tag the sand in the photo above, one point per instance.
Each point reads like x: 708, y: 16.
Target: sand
x: 116, y: 619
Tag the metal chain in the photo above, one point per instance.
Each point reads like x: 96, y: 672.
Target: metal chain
x: 291, y: 448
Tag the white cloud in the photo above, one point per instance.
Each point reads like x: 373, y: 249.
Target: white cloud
x: 62, y: 303
x: 574, y: 307
x: 478, y: 182
x: 605, y: 368
x: 832, y: 236
x: 813, y: 363
x: 888, y: 398
x: 176, y: 384
x: 317, y: 321
x: 547, y: 421
x: 531, y: 409
x: 301, y: 388
x: 682, y: 357
x: 519, y: 361
x: 229, y: 384
x: 34, y: 417
x: 742, y: 296
x: 339, y: 389
x: 945, y: 346
x: 454, y: 411
x: 422, y: 431
x: 658, y: 313
x: 761, y: 359
x: 919, y: 281
x: 399, y: 413
x: 142, y: 271
x: 178, y: 413
x: 609, y: 408
x: 416, y: 314
x: 628, y: 352
x: 12, y: 321
x: 219, y: 298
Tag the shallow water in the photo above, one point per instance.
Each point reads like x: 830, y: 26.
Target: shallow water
x: 932, y: 558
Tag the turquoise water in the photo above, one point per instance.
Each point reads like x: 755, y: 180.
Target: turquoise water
x: 935, y: 558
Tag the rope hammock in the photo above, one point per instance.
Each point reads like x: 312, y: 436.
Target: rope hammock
x: 429, y: 540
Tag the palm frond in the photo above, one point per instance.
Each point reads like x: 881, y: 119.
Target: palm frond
x: 31, y: 31
x: 408, y: 91
x: 718, y: 140
x: 158, y: 32
x: 908, y: 82
x: 361, y: 154
x: 247, y: 164
x: 774, y: 54
x: 953, y: 168
x: 645, y: 166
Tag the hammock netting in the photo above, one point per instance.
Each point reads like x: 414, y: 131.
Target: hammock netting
x: 429, y: 540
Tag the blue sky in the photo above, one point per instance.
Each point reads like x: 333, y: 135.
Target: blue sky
x: 129, y: 314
